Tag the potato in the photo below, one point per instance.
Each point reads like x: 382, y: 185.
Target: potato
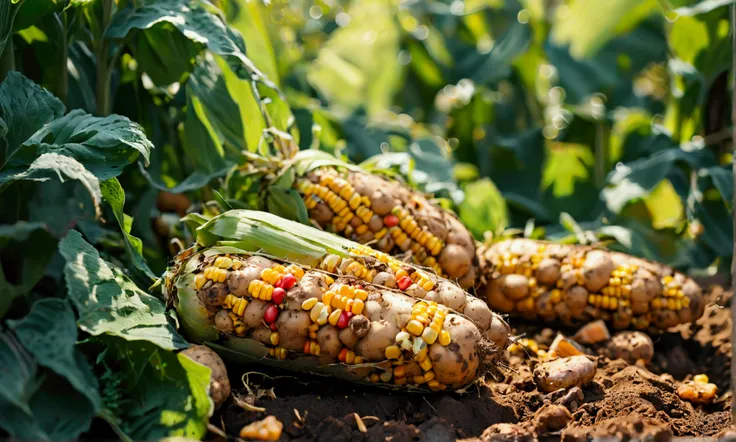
x: 253, y: 315
x: 573, y: 371
x: 478, y: 312
x: 321, y: 213
x: 329, y: 342
x: 456, y: 364
x: 515, y: 287
x: 213, y: 295
x: 548, y: 271
x: 239, y: 280
x: 597, y: 269
x: 455, y: 260
x: 631, y: 346
x: 385, y: 279
x: 496, y: 299
x: 381, y: 334
x: 382, y: 203
x: 293, y: 329
x: 451, y: 295
x: 223, y: 322
x: 219, y: 382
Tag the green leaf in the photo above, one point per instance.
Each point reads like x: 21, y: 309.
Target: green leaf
x: 496, y: 64
x: 637, y: 179
x: 483, y: 208
x: 49, y: 333
x: 31, y: 10
x: 702, y: 7
x: 195, y: 23
x: 28, y: 268
x: 358, y: 65
x: 53, y: 403
x: 287, y: 203
x: 164, y: 394
x: 216, y: 105
x: 164, y: 54
x: 57, y: 166
x: 113, y: 193
x: 250, y: 23
x: 587, y: 29
x: 103, y: 145
x: 566, y: 164
x: 201, y: 142
x: 8, y: 11
x: 108, y: 302
x: 25, y: 108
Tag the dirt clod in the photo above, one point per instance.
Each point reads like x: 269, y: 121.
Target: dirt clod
x: 622, y: 429
x: 631, y: 346
x: 551, y: 419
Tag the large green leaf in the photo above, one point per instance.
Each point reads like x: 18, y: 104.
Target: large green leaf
x: 28, y: 268
x: 165, y: 54
x: 196, y: 23
x: 53, y: 165
x: 483, y: 208
x: 215, y: 104
x: 59, y: 401
x: 113, y: 193
x: 153, y: 393
x: 358, y: 66
x: 108, y: 302
x: 25, y: 108
x: 49, y: 333
x: 8, y: 11
x: 586, y: 29
x: 31, y: 10
x: 103, y: 145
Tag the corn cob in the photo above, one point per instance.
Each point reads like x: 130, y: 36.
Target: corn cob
x: 323, y: 310
x: 387, y: 215
x: 577, y: 284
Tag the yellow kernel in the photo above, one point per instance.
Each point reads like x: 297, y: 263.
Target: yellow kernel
x: 309, y: 303
x: 385, y: 376
x: 428, y: 376
x: 241, y: 307
x: 199, y: 281
x: 222, y: 275
x: 334, y: 316
x: 237, y: 264
x: 701, y: 378
x: 358, y: 306
x: 426, y: 364
x: 274, y: 338
x: 430, y: 335
x: 350, y: 357
x: 392, y: 352
x: 223, y: 262
x: 374, y: 377
x: 415, y: 327
x: 327, y: 297
x: 419, y: 380
x: 358, y: 360
x: 445, y: 338
x: 315, y: 311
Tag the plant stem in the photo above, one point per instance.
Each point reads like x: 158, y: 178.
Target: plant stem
x: 62, y: 80
x: 601, y: 153
x: 7, y: 60
x: 104, y: 65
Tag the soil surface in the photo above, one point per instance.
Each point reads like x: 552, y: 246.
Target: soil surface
x: 630, y: 402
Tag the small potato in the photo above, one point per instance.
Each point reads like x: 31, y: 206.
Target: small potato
x: 253, y: 314
x: 416, y: 292
x: 262, y: 335
x: 548, y: 271
x: 663, y: 319
x: 219, y: 381
x: 631, y: 346
x: 551, y: 418
x: 574, y: 371
x: 455, y: 261
x: 348, y: 338
x: 697, y: 305
x: 373, y: 345
x: 515, y: 287
x: 382, y: 203
x: 697, y: 392
x: 451, y: 295
x: 498, y: 332
x: 359, y: 325
x: 213, y: 295
x: 259, y: 262
x: 293, y: 329
x: 432, y: 296
x: 312, y: 285
x: 375, y: 223
x: 478, y: 312
x: 644, y: 288
x: 239, y: 280
x: 456, y: 364
x: 385, y: 279
x: 496, y: 299
x: 224, y: 323
x: 322, y: 214
x: 576, y: 298
x: 329, y: 342
x: 597, y: 269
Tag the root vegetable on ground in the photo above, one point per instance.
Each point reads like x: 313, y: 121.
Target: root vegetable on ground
x: 219, y: 381
x: 573, y: 371
x: 577, y: 284
x: 323, y: 312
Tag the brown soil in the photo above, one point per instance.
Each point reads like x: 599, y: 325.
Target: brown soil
x: 628, y: 401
